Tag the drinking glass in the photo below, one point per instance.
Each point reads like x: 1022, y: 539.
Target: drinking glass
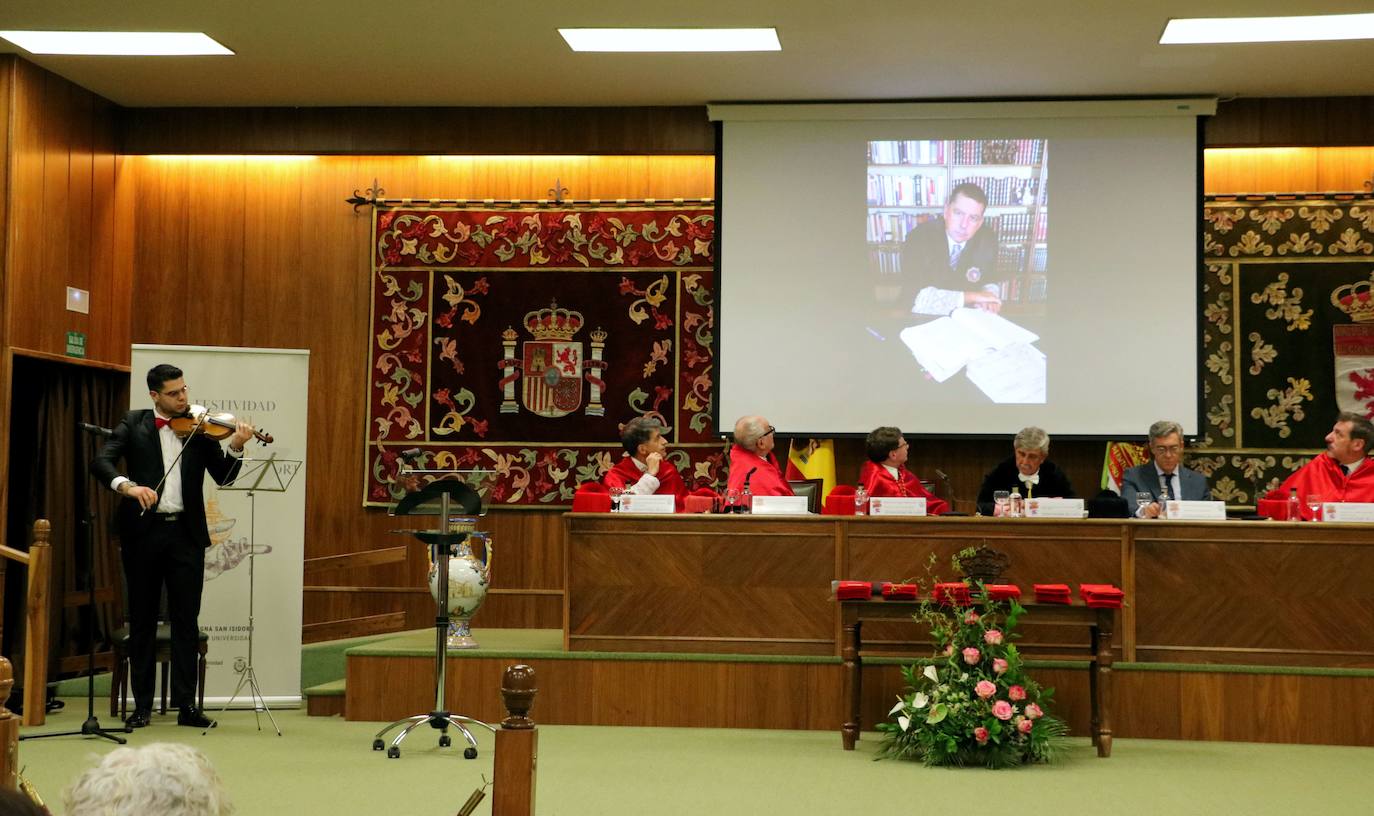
x: 732, y: 497
x: 1314, y: 503
x: 1142, y: 500
x: 615, y: 498
x: 1001, y: 503
x: 860, y: 501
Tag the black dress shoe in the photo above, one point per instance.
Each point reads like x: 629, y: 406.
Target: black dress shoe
x: 141, y: 718
x: 194, y: 717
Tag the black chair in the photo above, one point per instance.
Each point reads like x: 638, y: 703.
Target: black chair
x: 811, y: 489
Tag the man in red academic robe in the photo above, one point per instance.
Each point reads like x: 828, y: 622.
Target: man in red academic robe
x: 885, y: 473
x: 752, y: 461
x: 646, y: 469
x: 1344, y: 473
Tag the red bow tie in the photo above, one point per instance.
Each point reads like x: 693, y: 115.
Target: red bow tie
x: 159, y: 422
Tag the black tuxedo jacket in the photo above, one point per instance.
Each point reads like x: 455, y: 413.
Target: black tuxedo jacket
x: 925, y: 260
x: 1053, y: 483
x: 136, y: 441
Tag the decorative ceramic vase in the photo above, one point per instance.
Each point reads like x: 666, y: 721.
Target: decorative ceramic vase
x: 468, y: 577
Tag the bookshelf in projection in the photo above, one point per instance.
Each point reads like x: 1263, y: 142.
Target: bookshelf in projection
x: 909, y: 184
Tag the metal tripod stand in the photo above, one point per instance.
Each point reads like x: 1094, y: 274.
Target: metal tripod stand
x: 252, y: 478
x: 441, y: 545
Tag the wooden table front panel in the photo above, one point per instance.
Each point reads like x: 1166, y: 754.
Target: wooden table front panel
x: 700, y: 583
x: 1261, y: 593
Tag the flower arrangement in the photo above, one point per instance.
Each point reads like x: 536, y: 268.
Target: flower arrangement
x: 973, y: 703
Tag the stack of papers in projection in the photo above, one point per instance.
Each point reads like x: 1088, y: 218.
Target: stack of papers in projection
x: 998, y: 354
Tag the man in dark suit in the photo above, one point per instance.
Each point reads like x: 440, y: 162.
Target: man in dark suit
x: 163, y: 535
x: 1029, y: 472
x: 949, y: 262
x: 1165, y: 477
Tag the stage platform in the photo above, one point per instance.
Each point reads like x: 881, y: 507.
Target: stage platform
x: 391, y: 677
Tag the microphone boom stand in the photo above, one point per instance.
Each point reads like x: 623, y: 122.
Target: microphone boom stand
x: 91, y: 727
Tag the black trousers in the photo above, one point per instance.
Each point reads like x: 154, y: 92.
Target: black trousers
x: 164, y: 557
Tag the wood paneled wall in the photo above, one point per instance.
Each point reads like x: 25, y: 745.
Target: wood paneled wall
x: 419, y: 131
x: 65, y: 218
x: 1318, y: 121
x: 63, y: 222
x: 1288, y: 169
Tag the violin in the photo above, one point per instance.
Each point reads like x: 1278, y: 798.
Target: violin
x: 198, y: 419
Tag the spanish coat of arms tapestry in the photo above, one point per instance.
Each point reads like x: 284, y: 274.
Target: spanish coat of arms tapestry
x: 515, y: 342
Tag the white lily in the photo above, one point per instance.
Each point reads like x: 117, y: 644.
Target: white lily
x: 919, y: 701
x: 897, y: 707
x: 931, y: 674
x: 904, y: 722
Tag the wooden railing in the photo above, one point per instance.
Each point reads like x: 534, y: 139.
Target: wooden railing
x: 9, y: 731
x: 39, y: 561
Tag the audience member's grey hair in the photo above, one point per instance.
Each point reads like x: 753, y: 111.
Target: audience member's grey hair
x: 160, y: 779
x: 749, y: 430
x: 1032, y: 439
x: 1165, y: 427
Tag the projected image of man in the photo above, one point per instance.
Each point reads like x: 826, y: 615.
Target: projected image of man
x: 948, y: 262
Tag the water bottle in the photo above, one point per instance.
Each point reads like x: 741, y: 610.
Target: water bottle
x: 860, y: 501
x: 746, y: 500
x: 1294, y: 506
x: 1015, y: 508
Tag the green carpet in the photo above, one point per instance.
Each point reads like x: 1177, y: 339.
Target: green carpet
x: 325, y: 765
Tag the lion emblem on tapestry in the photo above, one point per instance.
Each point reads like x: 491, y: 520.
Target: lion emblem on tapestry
x: 514, y: 342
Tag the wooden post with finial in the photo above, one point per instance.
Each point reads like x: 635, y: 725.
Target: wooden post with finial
x: 36, y: 637
x: 517, y: 746
x: 9, y: 731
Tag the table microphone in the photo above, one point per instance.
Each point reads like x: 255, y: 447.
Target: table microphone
x: 410, y: 454
x: 949, y: 491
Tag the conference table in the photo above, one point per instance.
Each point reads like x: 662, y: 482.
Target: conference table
x: 1220, y: 592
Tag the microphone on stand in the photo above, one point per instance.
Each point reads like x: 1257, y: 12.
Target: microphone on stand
x: 95, y: 430
x: 745, y: 501
x: 949, y: 491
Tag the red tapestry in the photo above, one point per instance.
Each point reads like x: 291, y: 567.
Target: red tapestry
x: 518, y: 341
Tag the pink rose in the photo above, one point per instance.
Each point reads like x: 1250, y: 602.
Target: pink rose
x: 993, y: 637
x: 1016, y: 693
x: 999, y: 666
x: 985, y: 689
x: 1002, y: 710
x: 1024, y: 726
x: 971, y: 618
x: 971, y: 656
x: 1033, y: 711
x: 981, y: 734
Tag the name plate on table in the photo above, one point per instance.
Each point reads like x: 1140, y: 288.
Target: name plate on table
x: 1054, y: 508
x: 664, y: 503
x: 897, y: 506
x: 1348, y: 511
x: 1196, y: 510
x: 779, y: 506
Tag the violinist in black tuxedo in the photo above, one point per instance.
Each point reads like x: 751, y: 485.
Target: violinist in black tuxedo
x: 163, y: 534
